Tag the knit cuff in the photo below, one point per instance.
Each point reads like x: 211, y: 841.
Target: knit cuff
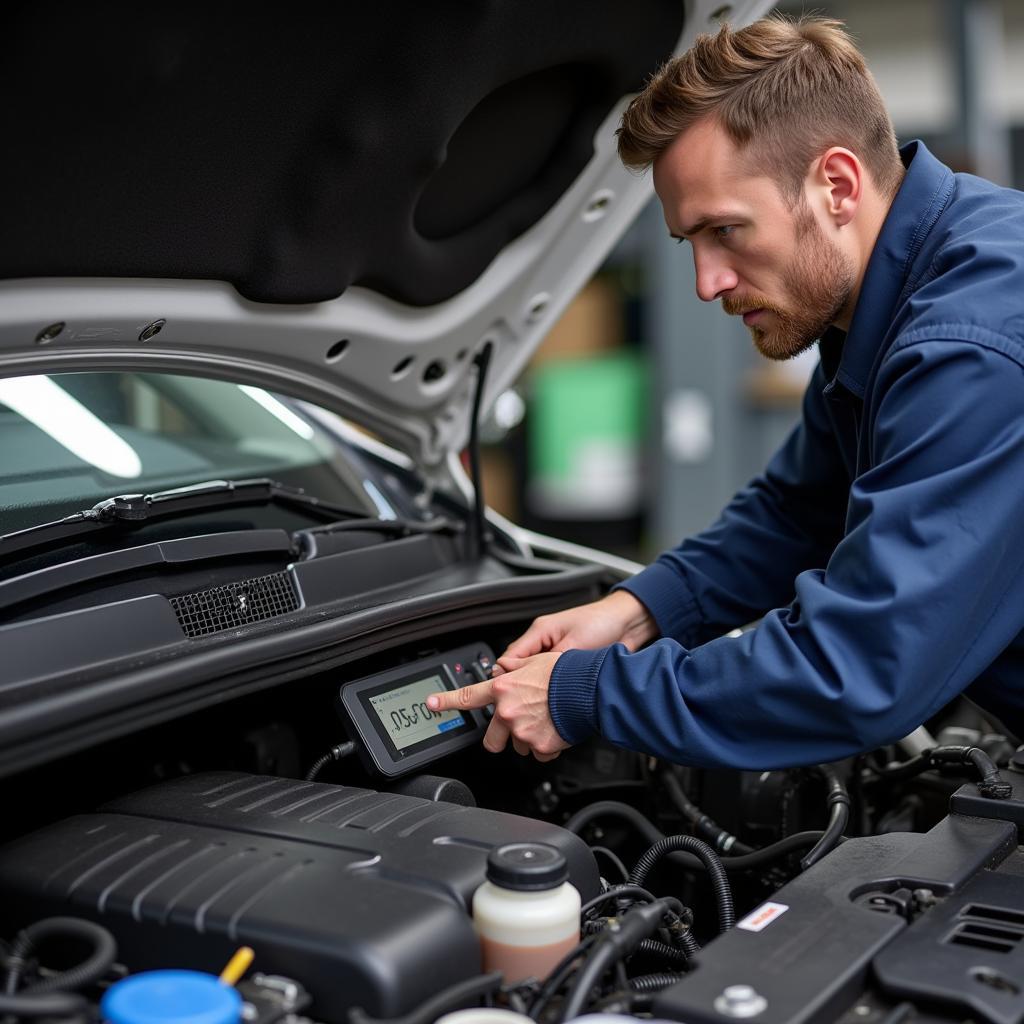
x: 665, y: 595
x: 572, y: 692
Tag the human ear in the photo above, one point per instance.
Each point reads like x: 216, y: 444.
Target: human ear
x: 839, y: 176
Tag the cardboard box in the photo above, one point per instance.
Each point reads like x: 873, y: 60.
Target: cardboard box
x: 592, y: 322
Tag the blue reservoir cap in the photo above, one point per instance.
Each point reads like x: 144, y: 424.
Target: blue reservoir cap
x: 171, y: 997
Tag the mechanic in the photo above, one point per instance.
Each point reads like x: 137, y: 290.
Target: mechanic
x: 884, y: 543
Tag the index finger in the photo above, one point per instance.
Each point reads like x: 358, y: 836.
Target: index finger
x: 476, y: 695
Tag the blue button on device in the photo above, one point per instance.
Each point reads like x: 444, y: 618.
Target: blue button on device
x: 171, y: 997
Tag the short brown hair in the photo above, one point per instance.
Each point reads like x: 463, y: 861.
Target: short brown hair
x: 794, y: 86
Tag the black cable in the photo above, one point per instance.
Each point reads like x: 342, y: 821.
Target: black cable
x: 683, y: 917
x: 710, y: 860
x: 616, y: 892
x: 336, y: 753
x: 774, y: 851
x: 703, y: 826
x: 899, y: 1013
x: 49, y: 1004
x: 482, y: 360
x: 621, y: 977
x: 654, y: 982
x: 94, y: 967
x: 612, y: 945
x: 858, y: 803
x: 614, y: 858
x: 838, y: 801
x: 449, y: 999
x: 650, y: 832
x: 896, y: 772
x: 990, y: 785
x: 615, y: 808
x: 516, y: 999
x: 628, y: 1003
x: 556, y: 977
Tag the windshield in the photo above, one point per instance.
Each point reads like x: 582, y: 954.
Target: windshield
x: 68, y: 441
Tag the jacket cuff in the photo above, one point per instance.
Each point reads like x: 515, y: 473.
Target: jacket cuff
x: 572, y: 691
x: 665, y: 595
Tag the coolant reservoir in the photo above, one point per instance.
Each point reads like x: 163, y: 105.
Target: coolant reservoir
x: 527, y: 914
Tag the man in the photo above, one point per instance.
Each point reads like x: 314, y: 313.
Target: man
x: 884, y: 543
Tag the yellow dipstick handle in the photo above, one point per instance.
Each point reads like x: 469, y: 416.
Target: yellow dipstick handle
x: 237, y: 966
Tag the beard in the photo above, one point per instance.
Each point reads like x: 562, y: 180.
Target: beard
x: 820, y: 279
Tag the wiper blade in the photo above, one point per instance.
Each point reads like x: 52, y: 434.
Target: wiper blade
x: 126, y: 510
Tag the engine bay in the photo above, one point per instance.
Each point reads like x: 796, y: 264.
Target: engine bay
x: 338, y: 828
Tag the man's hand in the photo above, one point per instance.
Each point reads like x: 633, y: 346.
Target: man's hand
x: 520, y: 699
x: 617, y: 618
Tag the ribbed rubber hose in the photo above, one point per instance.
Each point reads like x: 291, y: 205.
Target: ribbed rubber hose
x: 655, y: 948
x: 710, y: 860
x: 318, y: 766
x: 336, y: 753
x: 94, y: 967
x: 690, y: 944
x: 654, y: 982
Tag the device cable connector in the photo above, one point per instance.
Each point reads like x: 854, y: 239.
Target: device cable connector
x: 336, y: 753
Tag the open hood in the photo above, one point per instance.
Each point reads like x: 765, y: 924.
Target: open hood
x: 339, y: 202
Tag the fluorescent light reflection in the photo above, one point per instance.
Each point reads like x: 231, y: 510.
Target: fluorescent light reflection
x: 280, y: 411
x: 384, y: 509
x: 46, y: 405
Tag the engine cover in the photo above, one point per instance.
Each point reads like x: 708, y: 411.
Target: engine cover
x: 361, y: 896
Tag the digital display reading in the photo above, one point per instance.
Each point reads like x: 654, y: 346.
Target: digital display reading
x: 405, y: 716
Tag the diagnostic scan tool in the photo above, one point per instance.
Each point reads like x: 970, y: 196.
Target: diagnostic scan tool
x: 394, y: 730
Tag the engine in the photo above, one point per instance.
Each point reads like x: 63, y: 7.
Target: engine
x: 857, y: 892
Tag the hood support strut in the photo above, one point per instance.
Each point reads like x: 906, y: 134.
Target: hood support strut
x: 477, y: 541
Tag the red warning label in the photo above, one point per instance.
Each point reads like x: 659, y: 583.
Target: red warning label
x: 759, y: 919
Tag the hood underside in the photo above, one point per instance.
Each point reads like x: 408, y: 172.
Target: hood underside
x: 341, y: 202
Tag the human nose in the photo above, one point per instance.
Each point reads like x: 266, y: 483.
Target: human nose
x: 714, y: 276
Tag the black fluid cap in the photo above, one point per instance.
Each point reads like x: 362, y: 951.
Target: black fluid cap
x: 527, y: 867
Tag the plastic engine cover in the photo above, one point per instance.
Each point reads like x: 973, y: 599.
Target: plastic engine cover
x: 361, y: 896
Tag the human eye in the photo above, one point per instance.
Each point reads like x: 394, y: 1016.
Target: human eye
x: 724, y: 231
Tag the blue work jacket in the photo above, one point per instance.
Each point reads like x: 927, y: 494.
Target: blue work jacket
x: 884, y: 543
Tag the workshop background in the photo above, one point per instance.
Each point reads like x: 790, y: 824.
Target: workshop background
x: 645, y: 408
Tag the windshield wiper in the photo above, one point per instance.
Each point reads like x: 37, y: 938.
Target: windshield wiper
x: 127, y: 510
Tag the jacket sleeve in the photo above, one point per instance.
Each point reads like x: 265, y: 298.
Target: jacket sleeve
x: 923, y: 592
x: 788, y: 519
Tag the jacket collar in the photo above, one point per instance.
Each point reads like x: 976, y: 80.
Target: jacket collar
x: 922, y: 196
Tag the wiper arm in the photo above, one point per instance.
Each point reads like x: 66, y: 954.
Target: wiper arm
x: 126, y: 510
x: 308, y: 543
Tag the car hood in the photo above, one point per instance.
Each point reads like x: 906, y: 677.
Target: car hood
x: 343, y: 203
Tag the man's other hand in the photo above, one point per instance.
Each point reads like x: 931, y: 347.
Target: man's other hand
x: 520, y: 699
x: 617, y: 618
